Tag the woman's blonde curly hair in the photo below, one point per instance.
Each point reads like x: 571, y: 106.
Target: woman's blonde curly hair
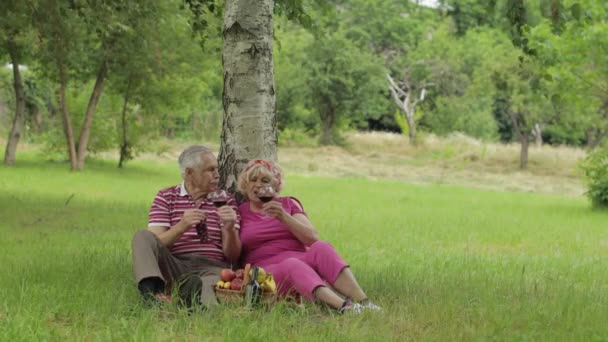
x: 254, y: 168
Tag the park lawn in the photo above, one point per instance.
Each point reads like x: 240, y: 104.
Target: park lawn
x: 446, y: 263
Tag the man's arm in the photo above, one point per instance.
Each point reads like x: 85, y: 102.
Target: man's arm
x: 168, y: 236
x: 231, y: 241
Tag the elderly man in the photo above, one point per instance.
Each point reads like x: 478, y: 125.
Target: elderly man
x: 188, y: 240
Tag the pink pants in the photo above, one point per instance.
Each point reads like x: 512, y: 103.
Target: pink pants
x: 305, y: 271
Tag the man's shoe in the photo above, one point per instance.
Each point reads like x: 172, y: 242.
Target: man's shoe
x: 156, y: 300
x: 162, y: 298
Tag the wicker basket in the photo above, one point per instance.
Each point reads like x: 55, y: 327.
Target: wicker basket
x: 232, y: 296
x: 229, y: 296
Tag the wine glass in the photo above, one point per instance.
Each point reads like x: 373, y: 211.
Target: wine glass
x: 219, y: 197
x: 266, y: 193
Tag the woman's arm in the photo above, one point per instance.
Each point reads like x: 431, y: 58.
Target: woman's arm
x: 298, y: 223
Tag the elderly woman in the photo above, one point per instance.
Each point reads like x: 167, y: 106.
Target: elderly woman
x: 278, y: 236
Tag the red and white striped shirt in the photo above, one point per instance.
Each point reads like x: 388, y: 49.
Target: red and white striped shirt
x: 167, y: 210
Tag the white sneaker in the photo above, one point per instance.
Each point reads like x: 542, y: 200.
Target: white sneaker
x: 371, y: 306
x: 351, y: 308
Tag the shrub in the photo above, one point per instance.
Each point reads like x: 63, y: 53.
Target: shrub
x: 595, y: 171
x: 296, y: 137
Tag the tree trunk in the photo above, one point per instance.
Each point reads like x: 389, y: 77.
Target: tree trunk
x: 411, y: 125
x: 249, y: 126
x: 556, y: 15
x: 538, y: 134
x: 523, y: 156
x: 326, y: 133
x: 67, y: 123
x: 19, y: 119
x: 37, y: 120
x: 88, y: 119
x: 327, y: 125
x: 124, y: 146
x: 407, y: 104
x: 597, y: 137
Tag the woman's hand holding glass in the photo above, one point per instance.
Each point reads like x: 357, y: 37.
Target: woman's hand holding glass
x: 271, y: 207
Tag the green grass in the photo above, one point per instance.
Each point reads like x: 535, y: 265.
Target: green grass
x: 446, y: 263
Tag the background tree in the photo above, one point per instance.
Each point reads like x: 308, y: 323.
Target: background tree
x: 79, y: 41
x: 63, y: 54
x: 519, y: 95
x: 576, y: 73
x: 15, y: 34
x: 344, y: 81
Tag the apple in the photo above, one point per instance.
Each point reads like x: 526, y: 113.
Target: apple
x: 240, y: 273
x: 227, y: 275
x: 236, y: 284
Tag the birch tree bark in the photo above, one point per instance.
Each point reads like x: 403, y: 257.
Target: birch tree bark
x: 249, y: 127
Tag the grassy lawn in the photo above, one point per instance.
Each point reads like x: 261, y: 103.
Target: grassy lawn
x: 446, y: 262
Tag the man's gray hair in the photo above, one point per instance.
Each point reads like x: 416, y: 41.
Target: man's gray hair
x: 191, y: 158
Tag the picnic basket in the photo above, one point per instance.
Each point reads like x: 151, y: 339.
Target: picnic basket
x: 234, y: 296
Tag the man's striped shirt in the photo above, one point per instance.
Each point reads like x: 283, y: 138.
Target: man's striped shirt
x: 167, y: 210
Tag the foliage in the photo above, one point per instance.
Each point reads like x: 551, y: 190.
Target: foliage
x: 7, y: 97
x: 576, y: 72
x: 595, y: 170
x: 296, y: 137
x: 330, y: 54
x: 462, y: 92
x: 345, y: 83
x: 402, y: 122
x: 292, y: 93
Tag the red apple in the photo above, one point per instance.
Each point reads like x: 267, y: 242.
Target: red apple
x: 239, y: 273
x: 236, y: 284
x: 227, y: 275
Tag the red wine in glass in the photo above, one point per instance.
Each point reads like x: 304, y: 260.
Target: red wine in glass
x: 266, y: 199
x: 219, y: 203
x: 266, y: 194
x: 219, y: 198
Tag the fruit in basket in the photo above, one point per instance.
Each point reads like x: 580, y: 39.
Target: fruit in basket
x: 227, y: 285
x: 227, y: 274
x: 236, y: 284
x: 269, y: 285
x: 219, y: 284
x: 261, y: 274
x: 240, y: 273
